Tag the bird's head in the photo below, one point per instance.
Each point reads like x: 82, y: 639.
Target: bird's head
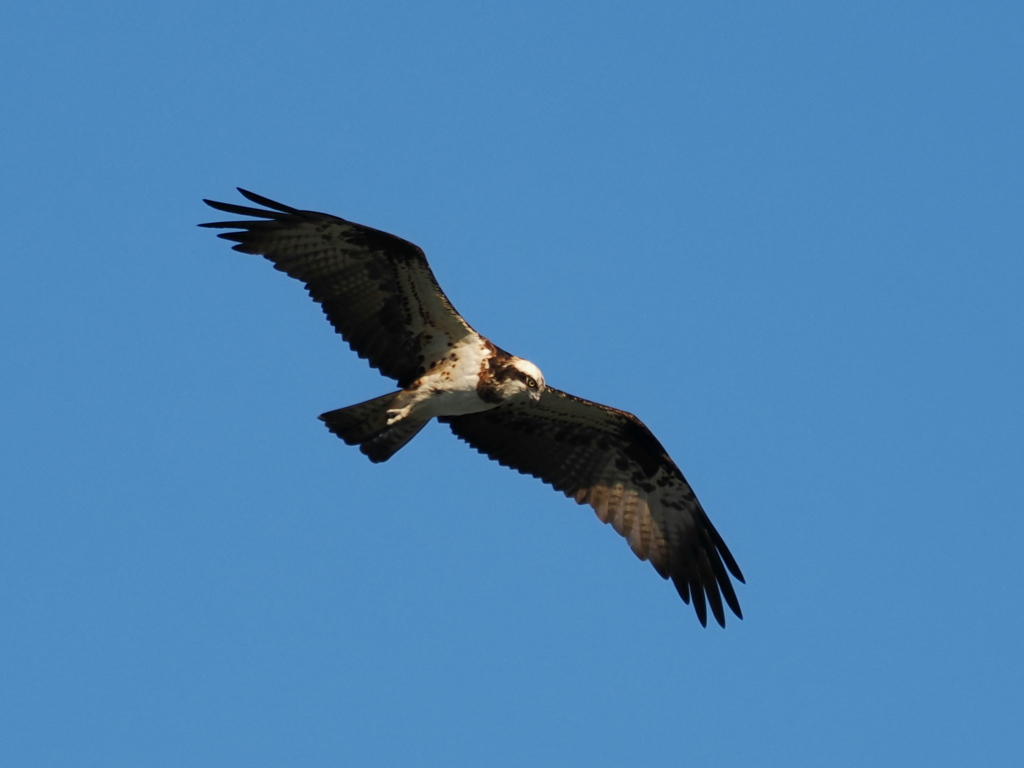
x: 524, y: 378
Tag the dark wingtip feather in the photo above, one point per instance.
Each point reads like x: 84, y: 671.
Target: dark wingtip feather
x: 718, y: 582
x: 701, y: 607
x: 730, y: 563
x: 274, y: 207
x: 729, y: 594
x: 723, y: 550
x: 715, y: 599
x: 266, y: 201
x: 240, y: 210
x: 682, y: 587
x: 687, y: 587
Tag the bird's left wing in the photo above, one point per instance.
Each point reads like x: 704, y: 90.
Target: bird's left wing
x: 608, y: 459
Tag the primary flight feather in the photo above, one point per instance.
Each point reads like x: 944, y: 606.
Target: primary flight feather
x: 378, y: 292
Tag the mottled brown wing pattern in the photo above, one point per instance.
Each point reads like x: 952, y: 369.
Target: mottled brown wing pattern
x: 608, y: 459
x: 376, y: 289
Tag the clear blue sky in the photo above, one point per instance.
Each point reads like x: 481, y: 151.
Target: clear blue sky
x: 789, y: 236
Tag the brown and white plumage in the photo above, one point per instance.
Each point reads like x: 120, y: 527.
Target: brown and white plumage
x: 608, y: 459
x: 378, y: 292
x: 376, y: 289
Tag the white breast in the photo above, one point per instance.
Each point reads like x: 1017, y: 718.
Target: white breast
x: 450, y: 387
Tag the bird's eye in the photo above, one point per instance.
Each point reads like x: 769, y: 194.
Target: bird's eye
x: 531, y: 382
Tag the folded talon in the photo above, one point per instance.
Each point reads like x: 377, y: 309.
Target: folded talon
x: 396, y: 414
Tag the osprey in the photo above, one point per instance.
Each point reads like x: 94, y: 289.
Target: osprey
x: 379, y: 293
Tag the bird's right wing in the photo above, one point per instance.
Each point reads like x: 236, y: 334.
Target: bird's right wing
x: 376, y: 289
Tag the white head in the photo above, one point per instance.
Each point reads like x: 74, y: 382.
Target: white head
x: 526, y: 378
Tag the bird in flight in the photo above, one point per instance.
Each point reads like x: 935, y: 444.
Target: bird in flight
x: 379, y: 293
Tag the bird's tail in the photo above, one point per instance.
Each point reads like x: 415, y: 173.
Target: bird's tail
x: 366, y: 425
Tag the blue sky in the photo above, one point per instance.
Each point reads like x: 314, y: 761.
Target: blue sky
x: 788, y: 236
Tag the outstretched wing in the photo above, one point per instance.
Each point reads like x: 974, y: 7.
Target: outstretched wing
x: 608, y: 459
x: 376, y: 289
